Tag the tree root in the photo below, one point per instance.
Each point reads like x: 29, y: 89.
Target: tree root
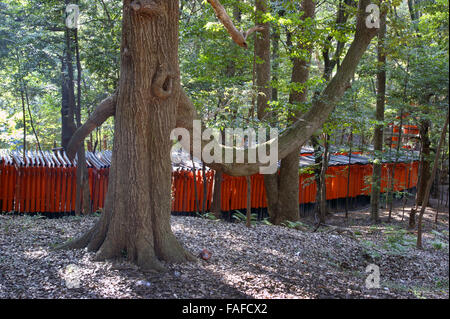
x: 143, y: 252
x: 78, y: 243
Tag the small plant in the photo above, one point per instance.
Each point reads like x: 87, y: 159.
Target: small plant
x: 398, y: 241
x: 290, y: 224
x: 209, y: 216
x: 373, y: 229
x: 34, y: 217
x: 417, y: 293
x: 370, y: 250
x: 441, y: 283
x: 98, y: 213
x: 240, y: 217
x: 438, y: 245
x: 266, y: 221
x: 206, y: 215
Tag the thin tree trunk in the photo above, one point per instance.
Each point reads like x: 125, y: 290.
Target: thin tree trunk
x: 216, y: 208
x: 275, y: 62
x: 348, y: 172
x: 249, y: 202
x: 440, y: 191
x: 397, y: 154
x: 405, y: 196
x: 425, y: 162
x: 283, y: 190
x: 323, y: 209
x: 204, y: 188
x: 24, y: 125
x: 31, y: 118
x: 378, y: 138
x: 262, y: 51
x: 83, y: 202
x: 194, y: 173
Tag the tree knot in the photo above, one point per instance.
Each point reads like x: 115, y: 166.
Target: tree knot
x: 147, y: 7
x: 162, y: 85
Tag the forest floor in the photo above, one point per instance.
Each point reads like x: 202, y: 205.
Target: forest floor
x: 261, y: 262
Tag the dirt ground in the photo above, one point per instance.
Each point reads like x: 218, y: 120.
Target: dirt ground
x: 264, y: 261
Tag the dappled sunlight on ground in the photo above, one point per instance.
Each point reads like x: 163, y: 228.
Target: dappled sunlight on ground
x: 258, y: 262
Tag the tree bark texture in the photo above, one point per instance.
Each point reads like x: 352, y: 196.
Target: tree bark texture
x: 138, y: 203
x: 378, y: 137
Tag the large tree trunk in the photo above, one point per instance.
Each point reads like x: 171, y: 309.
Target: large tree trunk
x: 138, y: 203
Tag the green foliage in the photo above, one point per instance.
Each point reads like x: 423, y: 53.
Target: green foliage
x: 31, y: 47
x: 267, y: 222
x: 440, y: 241
x: 294, y: 225
x: 207, y: 215
x: 241, y: 218
x: 398, y: 241
x: 369, y: 248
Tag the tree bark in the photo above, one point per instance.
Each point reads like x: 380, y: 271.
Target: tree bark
x: 238, y: 37
x: 67, y: 127
x: 216, y: 207
x: 378, y: 137
x: 138, y: 202
x: 83, y: 196
x: 424, y: 127
x: 262, y: 51
x: 248, y: 221
x: 430, y: 183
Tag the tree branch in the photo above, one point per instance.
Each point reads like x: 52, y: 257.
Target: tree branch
x: 104, y: 110
x: 238, y: 37
x: 299, y: 133
x: 292, y: 138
